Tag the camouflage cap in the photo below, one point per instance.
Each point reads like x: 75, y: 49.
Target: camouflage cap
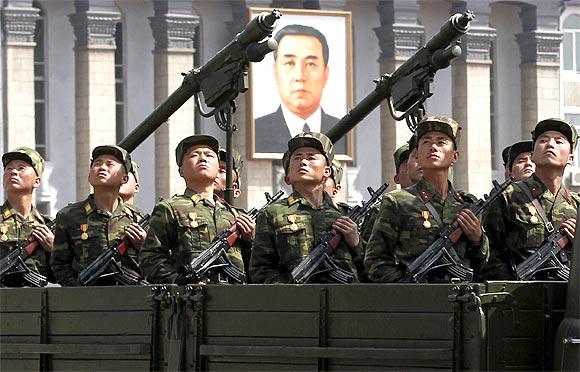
x: 135, y: 170
x: 505, y: 155
x: 559, y: 125
x: 400, y: 156
x: 442, y: 124
x: 29, y: 155
x: 337, y: 171
x: 189, y: 142
x: 286, y: 160
x: 517, y: 149
x: 412, y: 143
x: 118, y: 152
x: 313, y: 139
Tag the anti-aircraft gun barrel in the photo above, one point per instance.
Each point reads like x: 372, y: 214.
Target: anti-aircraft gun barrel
x: 218, y: 79
x: 409, y: 85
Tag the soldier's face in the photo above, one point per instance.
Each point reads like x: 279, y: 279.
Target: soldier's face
x: 552, y: 149
x: 19, y: 176
x: 414, y: 170
x: 220, y: 182
x: 523, y: 167
x: 402, y: 176
x: 200, y: 163
x: 436, y: 151
x: 107, y: 171
x: 307, y: 165
x: 129, y: 188
x: 300, y: 73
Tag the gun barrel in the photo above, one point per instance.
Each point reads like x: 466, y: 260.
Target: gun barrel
x: 453, y: 29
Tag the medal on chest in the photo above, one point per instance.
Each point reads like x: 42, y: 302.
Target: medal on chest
x: 292, y: 220
x: 3, y: 231
x: 84, y: 227
x: 426, y: 222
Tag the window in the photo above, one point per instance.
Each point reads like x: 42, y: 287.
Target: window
x: 119, y: 84
x: 40, y: 86
x: 571, y: 43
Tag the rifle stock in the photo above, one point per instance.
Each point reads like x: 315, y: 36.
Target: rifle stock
x: 318, y: 260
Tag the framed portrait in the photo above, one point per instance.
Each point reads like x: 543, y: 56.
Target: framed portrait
x: 305, y: 85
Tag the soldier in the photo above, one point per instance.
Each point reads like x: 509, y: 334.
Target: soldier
x: 289, y: 229
x: 519, y: 164
x: 131, y: 187
x: 184, y: 226
x: 504, y: 157
x: 401, y: 156
x: 332, y: 184
x: 220, y: 181
x: 19, y: 219
x: 85, y: 229
x: 522, y: 217
x: 410, y: 218
x: 414, y: 170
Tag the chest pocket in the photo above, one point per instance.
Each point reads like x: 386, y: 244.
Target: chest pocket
x: 192, y: 237
x: 532, y: 230
x: 292, y: 242
x: 414, y: 237
x: 87, y: 247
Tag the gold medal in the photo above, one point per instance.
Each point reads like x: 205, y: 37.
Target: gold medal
x: 84, y: 227
x: 192, y: 216
x: 294, y: 227
x: 3, y: 238
x: 292, y: 218
x: 3, y: 231
x: 534, y: 219
x: 426, y: 223
x: 193, y: 224
x: 532, y: 210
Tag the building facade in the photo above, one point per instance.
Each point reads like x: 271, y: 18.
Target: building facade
x: 76, y: 74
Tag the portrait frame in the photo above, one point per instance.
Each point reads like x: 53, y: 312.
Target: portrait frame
x: 337, y: 97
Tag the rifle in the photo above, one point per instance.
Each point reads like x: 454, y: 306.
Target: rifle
x: 106, y: 266
x: 318, y: 260
x: 13, y: 263
x: 441, y: 254
x: 215, y: 256
x: 546, y: 258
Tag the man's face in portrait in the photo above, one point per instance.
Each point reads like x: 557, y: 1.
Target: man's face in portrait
x: 301, y: 73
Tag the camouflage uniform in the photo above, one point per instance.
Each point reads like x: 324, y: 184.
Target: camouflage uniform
x: 405, y: 227
x: 514, y: 226
x: 515, y: 232
x: 400, y: 236
x: 287, y: 231
x: 15, y: 229
x: 180, y: 229
x: 82, y: 232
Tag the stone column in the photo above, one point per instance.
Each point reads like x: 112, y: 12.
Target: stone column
x: 540, y: 68
x: 471, y: 102
x: 174, y: 29
x: 399, y: 38
x: 94, y: 28
x: 18, y: 26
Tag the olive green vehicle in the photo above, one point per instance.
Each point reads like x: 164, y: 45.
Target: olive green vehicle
x: 360, y: 327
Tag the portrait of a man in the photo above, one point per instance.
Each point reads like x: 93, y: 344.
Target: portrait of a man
x: 301, y: 70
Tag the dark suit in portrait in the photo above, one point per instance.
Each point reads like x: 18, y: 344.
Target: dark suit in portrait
x: 272, y: 134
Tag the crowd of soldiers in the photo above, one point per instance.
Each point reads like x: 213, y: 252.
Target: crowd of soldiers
x: 283, y: 234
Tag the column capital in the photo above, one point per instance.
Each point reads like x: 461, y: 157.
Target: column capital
x: 399, y: 34
x: 174, y: 31
x: 477, y: 43
x: 94, y: 27
x: 540, y: 46
x: 19, y: 22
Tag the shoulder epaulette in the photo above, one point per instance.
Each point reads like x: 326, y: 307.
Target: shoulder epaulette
x: 88, y: 208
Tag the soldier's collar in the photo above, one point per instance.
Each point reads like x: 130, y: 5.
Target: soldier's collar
x: 295, y: 197
x: 8, y: 211
x: 197, y: 198
x: 426, y: 191
x: 90, y: 206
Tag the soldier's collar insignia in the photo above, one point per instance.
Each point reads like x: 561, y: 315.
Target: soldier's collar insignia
x: 7, y: 213
x: 88, y: 208
x: 195, y: 198
x: 292, y: 200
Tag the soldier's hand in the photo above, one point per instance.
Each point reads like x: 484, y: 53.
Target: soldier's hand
x: 246, y: 226
x: 470, y: 225
x: 44, y: 236
x: 136, y: 234
x: 569, y: 227
x: 348, y: 229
